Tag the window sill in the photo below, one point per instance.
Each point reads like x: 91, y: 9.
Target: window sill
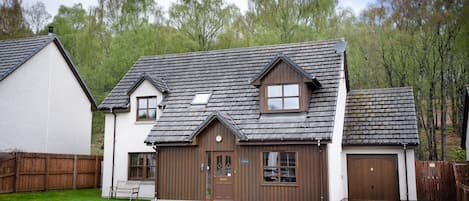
x: 145, y: 122
x: 280, y: 184
x: 144, y: 181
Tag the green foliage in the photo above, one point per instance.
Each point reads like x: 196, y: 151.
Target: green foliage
x: 460, y: 153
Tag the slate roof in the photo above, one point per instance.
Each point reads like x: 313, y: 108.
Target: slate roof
x: 380, y: 117
x: 226, y: 74
x: 14, y: 53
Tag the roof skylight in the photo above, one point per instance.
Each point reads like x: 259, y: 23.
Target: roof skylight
x: 200, y: 99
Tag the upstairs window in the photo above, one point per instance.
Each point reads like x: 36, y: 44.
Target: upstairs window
x: 146, y: 108
x: 283, y: 97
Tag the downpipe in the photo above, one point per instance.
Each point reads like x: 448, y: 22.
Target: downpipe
x: 405, y: 171
x: 321, y: 169
x: 155, y: 147
x: 113, y: 148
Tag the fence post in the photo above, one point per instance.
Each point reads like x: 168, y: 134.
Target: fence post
x: 75, y: 172
x: 17, y: 171
x: 95, y: 171
x: 46, y: 176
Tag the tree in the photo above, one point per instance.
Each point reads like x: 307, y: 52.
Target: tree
x: 201, y: 20
x: 37, y: 16
x: 12, y: 23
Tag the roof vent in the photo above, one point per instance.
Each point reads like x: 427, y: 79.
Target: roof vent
x: 340, y: 46
x: 201, y: 99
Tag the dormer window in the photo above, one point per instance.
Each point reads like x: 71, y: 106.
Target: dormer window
x: 283, y: 97
x: 284, y: 87
x: 146, y: 108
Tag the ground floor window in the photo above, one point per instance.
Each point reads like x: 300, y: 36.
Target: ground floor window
x: 142, y: 166
x: 279, y: 167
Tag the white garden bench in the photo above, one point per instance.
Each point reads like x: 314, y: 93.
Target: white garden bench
x: 125, y: 187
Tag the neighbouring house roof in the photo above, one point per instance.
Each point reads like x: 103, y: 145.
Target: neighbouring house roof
x: 380, y: 117
x: 227, y: 74
x: 156, y: 81
x: 465, y: 116
x: 14, y: 53
x: 284, y: 58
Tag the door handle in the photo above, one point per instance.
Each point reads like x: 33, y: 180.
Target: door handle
x: 372, y: 187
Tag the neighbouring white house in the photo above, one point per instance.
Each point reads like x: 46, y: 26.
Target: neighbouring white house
x: 45, y: 105
x: 465, y: 121
x: 266, y: 123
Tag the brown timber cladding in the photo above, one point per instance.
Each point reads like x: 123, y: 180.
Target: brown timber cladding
x: 180, y: 175
x: 38, y: 172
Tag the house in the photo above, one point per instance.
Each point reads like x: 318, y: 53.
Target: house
x: 465, y: 122
x: 260, y: 123
x: 46, y: 106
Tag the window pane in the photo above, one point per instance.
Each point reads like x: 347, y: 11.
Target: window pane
x: 136, y: 172
x: 288, y: 172
x: 142, y: 114
x: 142, y: 103
x: 271, y: 175
x: 288, y: 179
x: 292, y: 103
x: 275, y: 103
x: 152, y: 103
x: 208, y: 176
x: 270, y: 159
x: 219, y: 165
x: 150, y: 172
x: 152, y: 113
x: 274, y: 91
x: 136, y: 159
x: 228, y: 166
x: 290, y: 90
x: 151, y: 159
x: 287, y: 159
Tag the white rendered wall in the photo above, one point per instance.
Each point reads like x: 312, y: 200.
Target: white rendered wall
x: 44, y: 109
x: 401, y: 167
x: 130, y: 137
x: 334, y: 149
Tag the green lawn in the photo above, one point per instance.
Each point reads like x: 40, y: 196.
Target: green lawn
x: 65, y: 195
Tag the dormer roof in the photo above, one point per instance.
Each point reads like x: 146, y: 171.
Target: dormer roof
x: 156, y: 81
x: 256, y: 81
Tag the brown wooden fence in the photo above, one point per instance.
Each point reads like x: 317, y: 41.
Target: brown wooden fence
x: 37, y: 172
x: 461, y: 174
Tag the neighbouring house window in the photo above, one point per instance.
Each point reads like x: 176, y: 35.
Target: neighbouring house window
x: 146, y: 108
x: 279, y: 167
x: 283, y: 97
x: 142, y: 166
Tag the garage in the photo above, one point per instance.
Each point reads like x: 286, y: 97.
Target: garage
x: 372, y: 177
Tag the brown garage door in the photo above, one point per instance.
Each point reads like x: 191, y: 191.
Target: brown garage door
x: 372, y: 177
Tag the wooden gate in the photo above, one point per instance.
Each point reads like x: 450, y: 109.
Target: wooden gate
x: 435, y: 180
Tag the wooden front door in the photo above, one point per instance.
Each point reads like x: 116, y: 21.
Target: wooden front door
x: 222, y: 176
x: 372, y: 177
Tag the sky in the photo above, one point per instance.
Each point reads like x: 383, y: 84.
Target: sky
x: 52, y: 6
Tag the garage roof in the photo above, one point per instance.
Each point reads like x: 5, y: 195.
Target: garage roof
x: 380, y: 117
